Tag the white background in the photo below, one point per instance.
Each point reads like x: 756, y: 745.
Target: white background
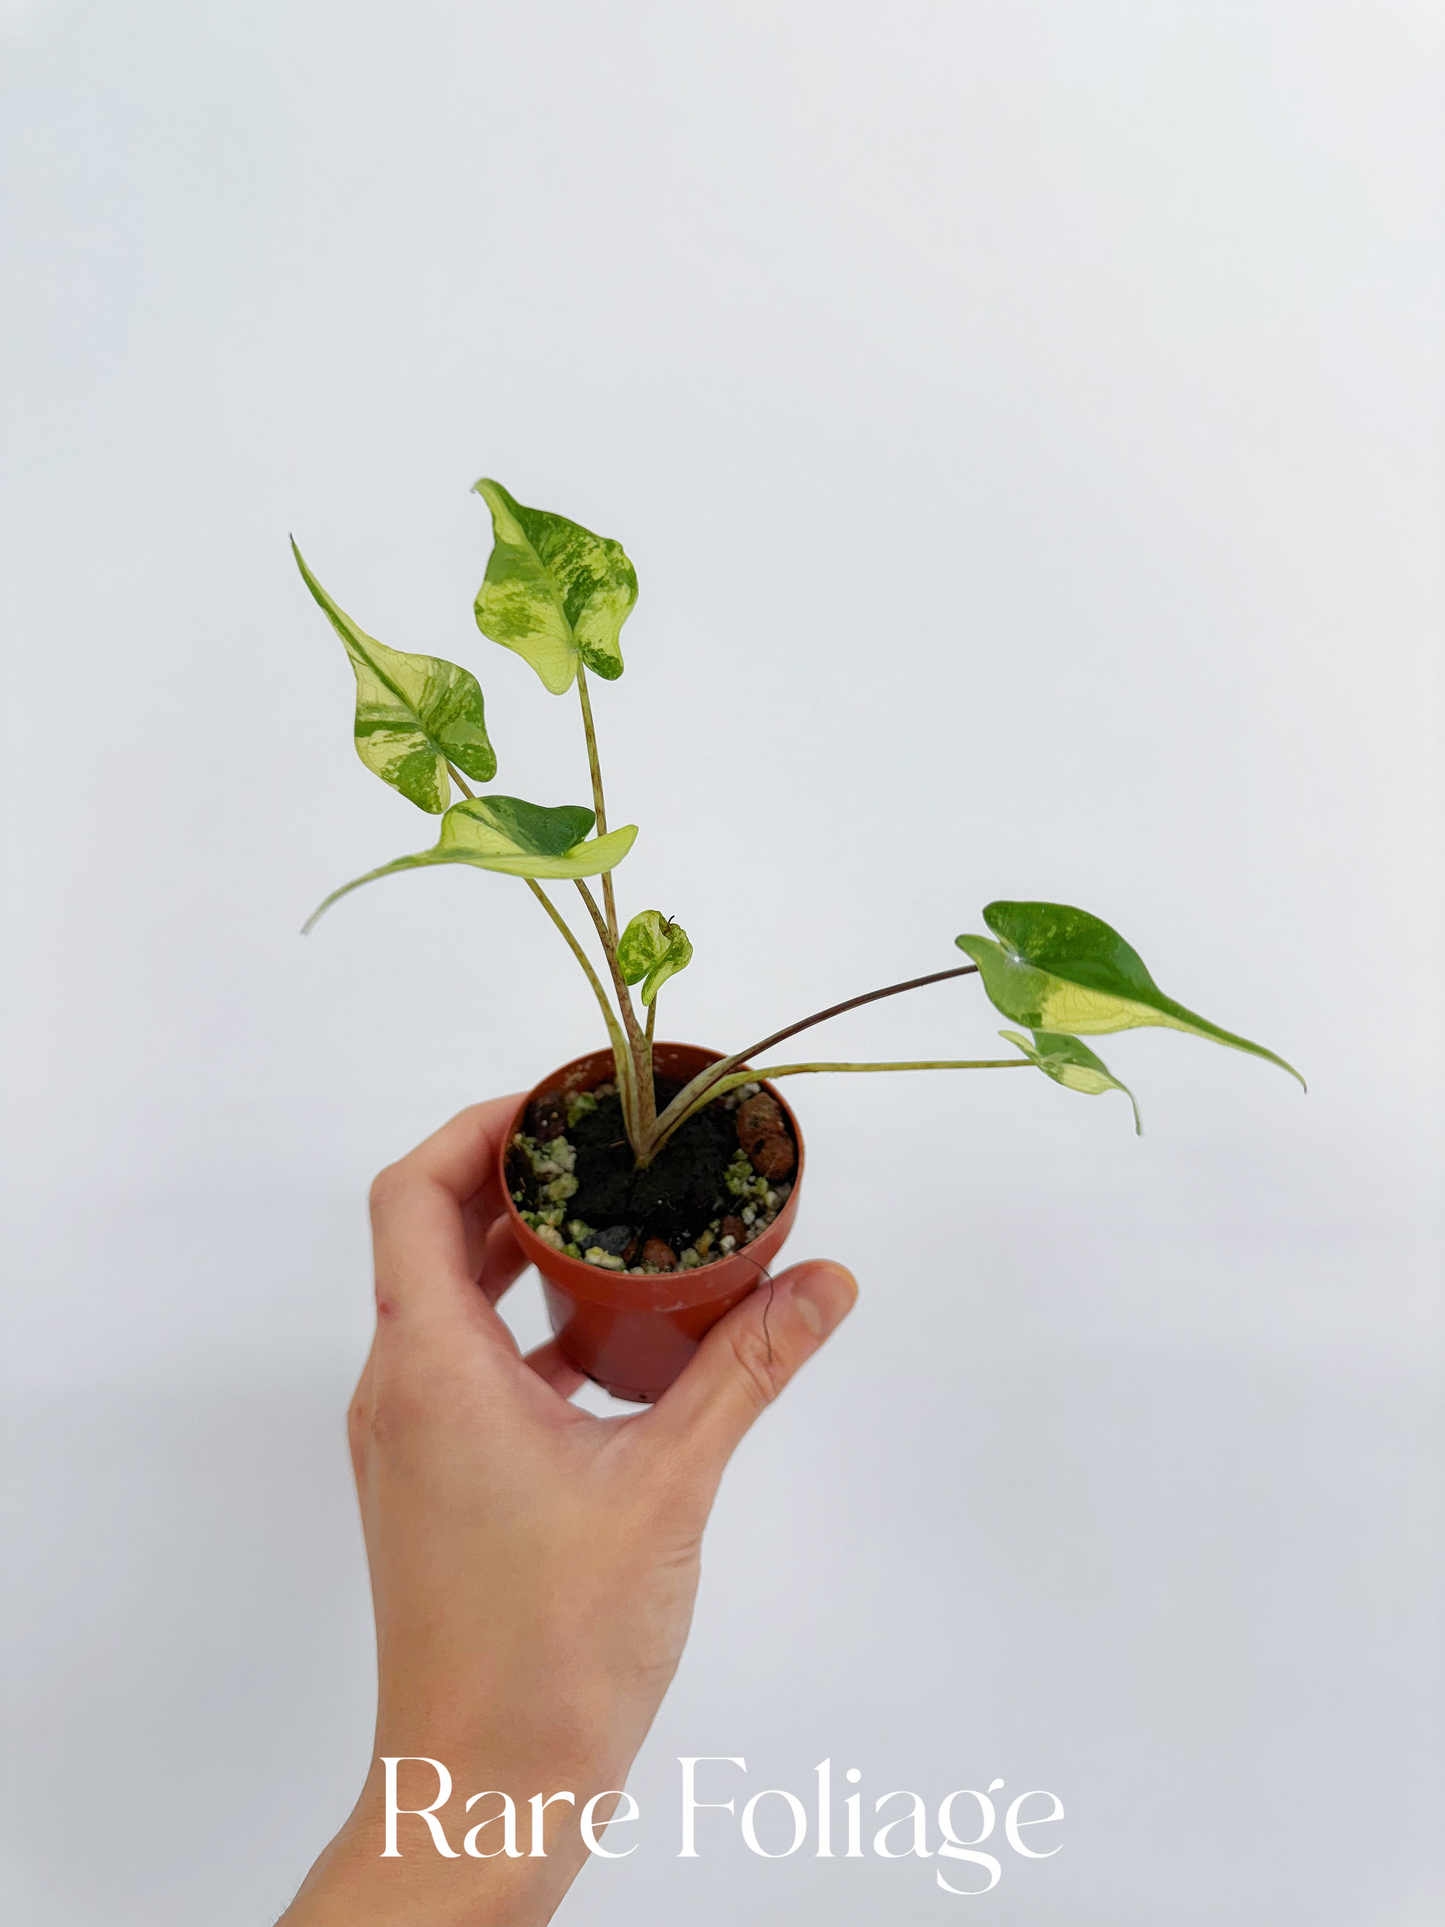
x: 1026, y: 423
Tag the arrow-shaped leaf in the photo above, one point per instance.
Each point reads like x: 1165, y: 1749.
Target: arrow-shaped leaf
x: 652, y: 948
x: 1073, y: 1065
x: 414, y: 714
x: 519, y: 839
x: 1059, y: 969
x: 553, y: 591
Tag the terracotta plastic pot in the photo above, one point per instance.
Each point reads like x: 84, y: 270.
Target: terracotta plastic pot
x: 633, y: 1335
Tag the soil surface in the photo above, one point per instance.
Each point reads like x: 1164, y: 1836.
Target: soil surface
x: 678, y: 1193
x: 713, y: 1187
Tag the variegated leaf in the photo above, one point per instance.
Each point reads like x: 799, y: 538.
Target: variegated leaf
x: 553, y: 591
x: 1072, y: 1064
x: 651, y: 949
x: 1061, y: 970
x: 518, y: 839
x: 414, y: 714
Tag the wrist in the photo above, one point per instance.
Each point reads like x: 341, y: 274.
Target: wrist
x: 414, y: 1849
x: 354, y: 1885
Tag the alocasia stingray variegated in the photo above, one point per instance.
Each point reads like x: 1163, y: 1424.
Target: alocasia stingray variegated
x: 514, y: 838
x: 557, y: 595
x: 554, y: 592
x: 1059, y: 969
x: 414, y: 714
x: 1071, y: 1063
x: 651, y: 949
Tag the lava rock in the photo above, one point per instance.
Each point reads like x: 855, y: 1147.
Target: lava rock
x: 660, y: 1255
x: 759, y: 1117
x: 616, y: 1240
x: 773, y: 1156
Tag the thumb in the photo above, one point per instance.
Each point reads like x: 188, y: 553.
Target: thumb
x: 749, y: 1356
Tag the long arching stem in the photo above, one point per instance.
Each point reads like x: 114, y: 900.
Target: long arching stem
x: 631, y: 1053
x: 739, y: 1078
x: 621, y: 1055
x: 598, y: 802
x: 639, y: 1045
x: 703, y: 1085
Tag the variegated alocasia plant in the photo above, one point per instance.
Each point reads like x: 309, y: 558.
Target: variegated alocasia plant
x: 558, y: 595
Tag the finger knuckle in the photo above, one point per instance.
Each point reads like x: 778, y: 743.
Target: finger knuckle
x: 399, y: 1409
x: 373, y: 1429
x: 385, y: 1186
x: 358, y: 1436
x: 759, y: 1368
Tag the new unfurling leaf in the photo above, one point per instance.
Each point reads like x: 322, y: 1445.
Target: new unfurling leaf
x: 651, y: 949
x: 518, y: 839
x: 414, y: 714
x: 553, y: 591
x: 1073, y: 1065
x: 1058, y: 969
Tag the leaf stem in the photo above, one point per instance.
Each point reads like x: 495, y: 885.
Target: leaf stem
x: 621, y: 1055
x: 702, y: 1085
x: 639, y: 1045
x: 918, y: 1064
x: 598, y: 804
x: 735, y: 1080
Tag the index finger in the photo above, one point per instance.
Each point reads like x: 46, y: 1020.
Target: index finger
x: 419, y: 1230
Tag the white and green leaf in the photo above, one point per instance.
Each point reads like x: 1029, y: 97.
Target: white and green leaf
x: 1058, y: 969
x: 651, y: 949
x: 553, y: 591
x: 414, y: 714
x: 1072, y: 1064
x: 517, y: 839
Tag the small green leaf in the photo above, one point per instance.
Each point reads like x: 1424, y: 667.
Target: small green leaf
x: 1061, y: 970
x: 553, y: 591
x: 414, y: 714
x: 655, y: 948
x: 519, y: 839
x: 1073, y: 1065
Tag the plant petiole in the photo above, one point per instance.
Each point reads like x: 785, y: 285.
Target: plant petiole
x: 735, y: 1080
x: 701, y: 1086
x: 599, y: 806
x: 621, y: 1055
x: 638, y: 1045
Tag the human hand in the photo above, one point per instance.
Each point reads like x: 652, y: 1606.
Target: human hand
x: 533, y: 1568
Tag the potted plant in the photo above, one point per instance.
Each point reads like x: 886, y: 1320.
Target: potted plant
x: 650, y: 1182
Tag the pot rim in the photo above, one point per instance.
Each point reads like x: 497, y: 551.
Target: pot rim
x: 660, y: 1291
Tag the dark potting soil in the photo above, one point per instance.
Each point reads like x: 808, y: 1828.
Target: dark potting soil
x: 674, y: 1200
x: 678, y: 1194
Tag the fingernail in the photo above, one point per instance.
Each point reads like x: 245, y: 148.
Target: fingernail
x: 825, y: 1294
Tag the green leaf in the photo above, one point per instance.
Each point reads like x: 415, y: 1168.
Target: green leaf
x: 414, y: 714
x: 1073, y: 1065
x: 519, y: 839
x: 553, y: 591
x: 654, y: 948
x: 1061, y: 970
